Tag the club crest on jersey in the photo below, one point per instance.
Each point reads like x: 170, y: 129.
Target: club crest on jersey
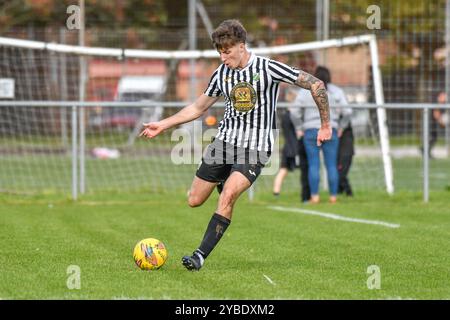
x: 243, y: 97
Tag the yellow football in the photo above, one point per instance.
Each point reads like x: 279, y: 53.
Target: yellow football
x: 150, y: 254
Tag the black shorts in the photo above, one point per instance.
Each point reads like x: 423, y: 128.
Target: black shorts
x: 221, y: 159
x: 288, y: 163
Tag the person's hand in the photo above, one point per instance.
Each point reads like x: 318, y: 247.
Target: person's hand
x: 324, y: 134
x: 442, y: 97
x: 151, y: 129
x: 340, y: 132
x: 299, y: 134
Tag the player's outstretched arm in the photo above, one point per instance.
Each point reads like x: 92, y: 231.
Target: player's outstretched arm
x: 320, y: 96
x: 187, y: 114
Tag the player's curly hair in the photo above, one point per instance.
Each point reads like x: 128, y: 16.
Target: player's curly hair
x: 229, y: 33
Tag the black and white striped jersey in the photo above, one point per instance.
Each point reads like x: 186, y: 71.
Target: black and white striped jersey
x: 251, y: 96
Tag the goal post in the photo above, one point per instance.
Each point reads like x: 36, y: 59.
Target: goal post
x: 381, y: 112
x: 63, y: 73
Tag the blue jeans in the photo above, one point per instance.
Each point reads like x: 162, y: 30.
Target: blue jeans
x: 330, y: 152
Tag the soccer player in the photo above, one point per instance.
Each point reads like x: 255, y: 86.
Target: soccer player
x: 245, y: 136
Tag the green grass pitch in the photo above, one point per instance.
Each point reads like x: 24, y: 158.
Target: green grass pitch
x: 265, y: 254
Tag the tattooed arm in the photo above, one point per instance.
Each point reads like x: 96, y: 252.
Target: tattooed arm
x: 319, y: 94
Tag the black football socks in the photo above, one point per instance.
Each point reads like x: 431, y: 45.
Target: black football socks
x: 216, y: 228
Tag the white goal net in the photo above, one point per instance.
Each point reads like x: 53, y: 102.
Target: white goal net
x: 70, y: 116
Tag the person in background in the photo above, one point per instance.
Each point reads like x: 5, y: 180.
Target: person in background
x: 346, y: 142
x: 438, y: 119
x: 308, y: 123
x: 288, y: 153
x: 293, y: 154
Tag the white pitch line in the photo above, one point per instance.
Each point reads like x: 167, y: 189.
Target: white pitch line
x: 270, y: 280
x: 335, y: 216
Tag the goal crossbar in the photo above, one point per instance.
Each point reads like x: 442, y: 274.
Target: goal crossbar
x: 179, y: 54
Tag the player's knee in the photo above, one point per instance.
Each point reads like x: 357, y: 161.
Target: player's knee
x: 194, y: 201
